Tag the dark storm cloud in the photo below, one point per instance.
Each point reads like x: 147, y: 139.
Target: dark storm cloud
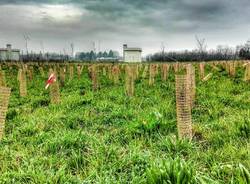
x: 142, y: 22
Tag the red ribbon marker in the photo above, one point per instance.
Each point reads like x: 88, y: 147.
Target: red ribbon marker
x: 52, y: 79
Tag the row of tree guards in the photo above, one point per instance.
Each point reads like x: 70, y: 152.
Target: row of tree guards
x: 185, y: 82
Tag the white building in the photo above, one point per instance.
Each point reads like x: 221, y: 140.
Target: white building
x: 9, y: 54
x: 131, y: 54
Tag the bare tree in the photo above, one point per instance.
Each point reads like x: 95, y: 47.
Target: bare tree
x: 42, y: 47
x: 202, y: 46
x: 26, y: 38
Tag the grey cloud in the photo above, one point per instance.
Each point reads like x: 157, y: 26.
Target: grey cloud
x: 140, y: 21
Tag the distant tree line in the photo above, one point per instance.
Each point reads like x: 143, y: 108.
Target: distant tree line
x: 244, y: 53
x: 192, y: 56
x: 92, y: 56
x: 39, y: 57
x: 58, y: 57
x: 201, y: 54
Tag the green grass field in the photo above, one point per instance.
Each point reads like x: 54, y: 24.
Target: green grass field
x: 108, y: 137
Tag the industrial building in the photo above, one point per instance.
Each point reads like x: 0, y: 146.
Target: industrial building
x: 131, y: 54
x: 9, y: 54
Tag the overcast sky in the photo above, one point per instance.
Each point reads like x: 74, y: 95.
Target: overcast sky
x: 139, y: 23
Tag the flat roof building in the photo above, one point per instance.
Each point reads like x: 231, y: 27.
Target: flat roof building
x: 131, y: 54
x: 9, y: 54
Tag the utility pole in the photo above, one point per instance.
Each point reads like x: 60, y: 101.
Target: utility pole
x: 163, y: 50
x: 65, y: 54
x: 42, y: 46
x: 26, y: 38
x: 72, y: 50
x: 94, y: 48
x: 42, y: 49
x: 99, y: 46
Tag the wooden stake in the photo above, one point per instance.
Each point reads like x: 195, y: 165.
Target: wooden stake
x: 207, y: 77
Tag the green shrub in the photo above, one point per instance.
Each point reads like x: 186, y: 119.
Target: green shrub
x: 243, y: 128
x: 171, y: 171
